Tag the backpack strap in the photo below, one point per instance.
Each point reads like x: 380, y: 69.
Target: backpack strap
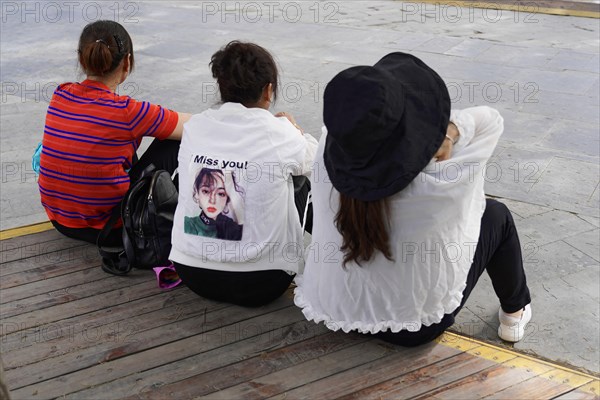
x: 114, y: 258
x: 127, y: 245
x: 119, y: 260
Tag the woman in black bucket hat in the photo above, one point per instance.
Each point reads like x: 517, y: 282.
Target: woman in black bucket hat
x: 402, y: 229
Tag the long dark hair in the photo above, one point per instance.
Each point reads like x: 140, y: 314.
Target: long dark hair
x: 364, y: 228
x: 242, y: 71
x: 102, y: 47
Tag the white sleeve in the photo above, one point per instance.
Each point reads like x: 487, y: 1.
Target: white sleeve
x: 309, y: 155
x: 480, y: 128
x: 297, y: 152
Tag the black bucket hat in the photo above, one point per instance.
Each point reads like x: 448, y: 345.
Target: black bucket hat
x: 385, y: 123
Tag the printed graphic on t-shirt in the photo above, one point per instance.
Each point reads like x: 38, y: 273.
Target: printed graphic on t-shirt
x: 218, y: 197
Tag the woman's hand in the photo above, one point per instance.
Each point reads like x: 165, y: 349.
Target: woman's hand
x: 445, y: 150
x: 291, y: 119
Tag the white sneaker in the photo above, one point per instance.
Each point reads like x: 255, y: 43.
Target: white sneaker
x: 512, y: 329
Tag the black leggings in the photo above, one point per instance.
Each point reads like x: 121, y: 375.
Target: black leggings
x: 248, y: 289
x: 499, y: 252
x: 161, y: 153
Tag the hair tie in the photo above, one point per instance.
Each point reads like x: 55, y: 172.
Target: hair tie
x: 119, y: 43
x: 102, y: 41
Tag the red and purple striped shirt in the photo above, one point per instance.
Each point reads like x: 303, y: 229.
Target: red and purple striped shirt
x: 89, y: 140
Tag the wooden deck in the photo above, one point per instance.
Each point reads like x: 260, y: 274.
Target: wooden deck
x: 69, y: 330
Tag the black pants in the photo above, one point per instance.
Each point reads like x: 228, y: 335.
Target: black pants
x: 161, y: 153
x: 248, y: 289
x: 499, y: 252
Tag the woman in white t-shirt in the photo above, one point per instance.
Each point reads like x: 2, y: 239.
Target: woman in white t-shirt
x: 237, y: 233
x: 402, y: 228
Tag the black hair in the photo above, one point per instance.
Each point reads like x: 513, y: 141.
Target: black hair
x: 242, y: 71
x: 102, y: 46
x: 208, y: 177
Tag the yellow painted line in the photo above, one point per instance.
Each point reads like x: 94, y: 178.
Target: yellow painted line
x: 592, y: 387
x: 566, y: 377
x: 489, y: 353
x: 526, y: 8
x: 25, y: 230
x: 513, y: 359
x: 532, y: 366
x: 458, y: 342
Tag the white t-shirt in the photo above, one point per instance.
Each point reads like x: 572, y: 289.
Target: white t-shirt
x: 434, y: 228
x: 236, y: 208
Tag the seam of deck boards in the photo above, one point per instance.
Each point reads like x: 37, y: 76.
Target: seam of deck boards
x: 516, y: 7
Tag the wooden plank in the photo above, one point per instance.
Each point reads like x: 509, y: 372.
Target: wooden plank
x: 145, y: 343
x: 19, y: 311
x: 586, y: 392
x: 302, y: 373
x: 457, y: 342
x: 390, y: 376
x: 134, y: 342
x: 592, y: 387
x: 60, y: 282
x: 36, y: 246
x: 194, y: 356
x: 34, y: 261
x: 47, y: 271
x: 26, y: 240
x: 577, y: 395
x: 417, y: 381
x: 80, y: 327
x: 481, y: 384
x: 318, y: 343
x: 534, y: 388
x: 561, y: 375
x: 85, y: 342
x: 493, y: 353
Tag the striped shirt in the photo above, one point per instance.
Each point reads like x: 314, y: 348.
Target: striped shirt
x: 90, y: 137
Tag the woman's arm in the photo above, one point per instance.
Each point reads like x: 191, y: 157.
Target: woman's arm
x: 178, y: 131
x: 480, y: 129
x: 297, y: 152
x: 475, y: 128
x: 445, y: 150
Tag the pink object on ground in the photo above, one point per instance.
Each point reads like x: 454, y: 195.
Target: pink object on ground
x: 167, y: 277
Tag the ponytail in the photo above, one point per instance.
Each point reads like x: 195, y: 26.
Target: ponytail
x: 102, y: 47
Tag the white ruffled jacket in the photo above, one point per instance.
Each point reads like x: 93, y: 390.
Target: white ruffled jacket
x: 434, y: 229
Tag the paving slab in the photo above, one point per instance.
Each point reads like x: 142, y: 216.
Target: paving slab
x: 524, y: 210
x: 540, y: 71
x: 554, y: 260
x: 573, y: 136
x: 573, y: 339
x: 551, y: 226
x: 587, y: 243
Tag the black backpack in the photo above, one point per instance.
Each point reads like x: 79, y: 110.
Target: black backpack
x: 147, y: 212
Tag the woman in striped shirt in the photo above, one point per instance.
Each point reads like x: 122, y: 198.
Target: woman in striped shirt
x: 91, y: 136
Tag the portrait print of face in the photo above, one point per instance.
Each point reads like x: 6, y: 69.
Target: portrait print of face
x: 221, y: 203
x: 211, y: 194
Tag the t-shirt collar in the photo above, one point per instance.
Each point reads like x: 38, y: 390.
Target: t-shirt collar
x: 95, y: 84
x: 236, y: 107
